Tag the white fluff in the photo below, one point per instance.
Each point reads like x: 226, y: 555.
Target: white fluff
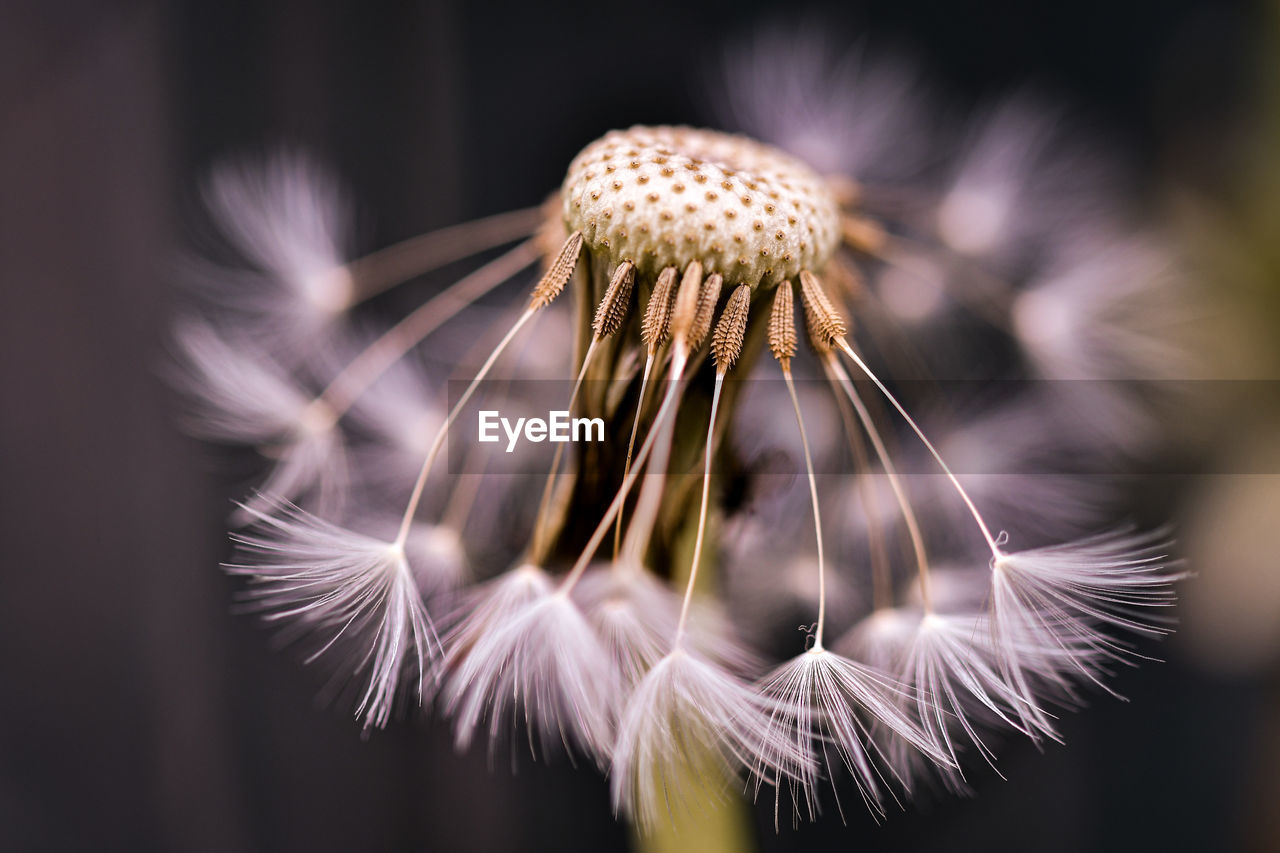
x: 1051, y: 607
x: 838, y: 701
x: 1108, y: 321
x: 542, y: 660
x: 348, y: 590
x: 954, y: 688
x: 436, y: 558
x: 289, y: 221
x: 240, y: 394
x: 1018, y: 182
x: 689, y: 720
x: 840, y: 109
x: 958, y: 688
x: 636, y: 614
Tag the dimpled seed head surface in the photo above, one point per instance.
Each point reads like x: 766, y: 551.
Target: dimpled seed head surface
x: 666, y: 196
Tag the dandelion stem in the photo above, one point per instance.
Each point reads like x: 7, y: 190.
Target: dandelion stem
x: 837, y: 375
x: 418, y: 486
x: 631, y: 443
x: 706, y: 480
x: 881, y: 580
x: 602, y: 529
x: 653, y: 332
x: 538, y: 548
x: 964, y: 496
x: 817, y: 514
x: 463, y: 497
x: 645, y: 516
x: 782, y: 342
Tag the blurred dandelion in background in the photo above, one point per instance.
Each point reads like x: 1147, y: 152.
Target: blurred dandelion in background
x: 929, y: 482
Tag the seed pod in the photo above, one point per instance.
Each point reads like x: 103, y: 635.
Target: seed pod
x: 726, y: 343
x: 657, y: 314
x: 707, y: 300
x: 823, y: 321
x: 557, y: 275
x: 667, y: 196
x: 687, y: 298
x: 616, y: 303
x: 782, y: 326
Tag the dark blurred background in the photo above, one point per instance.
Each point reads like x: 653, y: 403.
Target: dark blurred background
x: 138, y: 714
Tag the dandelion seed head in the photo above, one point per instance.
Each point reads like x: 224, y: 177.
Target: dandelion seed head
x: 668, y: 196
x: 612, y: 663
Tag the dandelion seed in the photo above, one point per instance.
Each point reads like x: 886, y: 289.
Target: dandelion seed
x: 1041, y: 622
x: 242, y: 396
x: 636, y: 615
x: 350, y: 590
x: 291, y: 221
x: 436, y: 557
x: 820, y: 694
x: 688, y: 719
x: 1051, y: 605
x: 1103, y: 320
x: 836, y: 701
x: 844, y: 109
x: 547, y: 661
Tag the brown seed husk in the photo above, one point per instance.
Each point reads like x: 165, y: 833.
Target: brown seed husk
x: 782, y: 325
x: 707, y: 300
x: 726, y: 343
x: 686, y: 307
x: 823, y: 321
x: 657, y: 314
x: 616, y: 302
x: 557, y: 275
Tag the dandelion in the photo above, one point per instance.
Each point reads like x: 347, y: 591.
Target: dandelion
x: 686, y: 251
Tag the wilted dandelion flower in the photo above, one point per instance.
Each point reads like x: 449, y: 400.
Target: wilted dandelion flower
x: 686, y: 252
